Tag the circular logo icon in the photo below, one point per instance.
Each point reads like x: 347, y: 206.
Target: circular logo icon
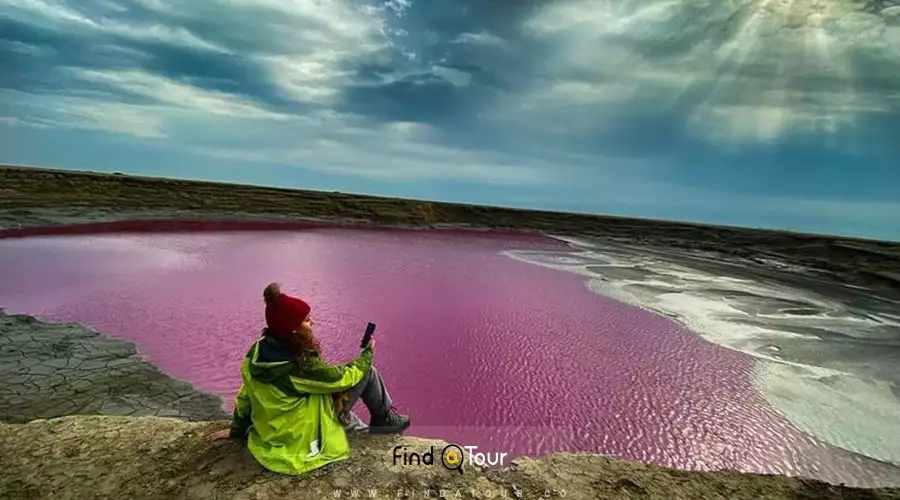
x: 452, y: 457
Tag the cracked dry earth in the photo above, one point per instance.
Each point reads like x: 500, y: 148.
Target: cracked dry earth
x: 50, y: 370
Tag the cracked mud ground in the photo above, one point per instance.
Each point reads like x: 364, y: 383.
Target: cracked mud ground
x: 51, y: 370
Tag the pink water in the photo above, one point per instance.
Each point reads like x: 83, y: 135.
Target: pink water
x: 480, y: 349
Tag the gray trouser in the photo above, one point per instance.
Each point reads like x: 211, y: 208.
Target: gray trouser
x: 373, y: 394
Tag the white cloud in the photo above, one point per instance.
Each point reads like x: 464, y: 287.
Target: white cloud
x: 351, y: 145
x: 87, y: 113
x: 579, y: 93
x: 313, y: 42
x: 398, y: 7
x: 457, y: 77
x: 575, y: 19
x: 784, y: 68
x: 44, y: 12
x: 409, y: 129
x: 112, y: 117
x: 313, y: 20
x: 173, y: 104
x: 425, y: 162
x: 312, y: 79
x: 225, y: 127
x: 480, y: 38
x: 58, y: 16
x: 160, y: 33
x: 178, y: 94
x: 329, y: 25
x: 761, y: 123
x: 322, y: 41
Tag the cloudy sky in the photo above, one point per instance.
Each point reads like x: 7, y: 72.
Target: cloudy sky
x: 766, y: 113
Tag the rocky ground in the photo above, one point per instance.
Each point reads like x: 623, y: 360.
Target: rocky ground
x: 110, y: 439
x: 49, y: 370
x: 151, y: 457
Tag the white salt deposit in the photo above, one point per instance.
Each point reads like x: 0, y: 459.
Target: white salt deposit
x: 822, y: 397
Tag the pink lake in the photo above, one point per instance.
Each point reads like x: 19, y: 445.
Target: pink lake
x: 479, y: 348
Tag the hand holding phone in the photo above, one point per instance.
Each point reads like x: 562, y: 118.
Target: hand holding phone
x: 367, y: 338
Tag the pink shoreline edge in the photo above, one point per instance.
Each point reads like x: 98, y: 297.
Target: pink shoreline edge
x: 204, y: 225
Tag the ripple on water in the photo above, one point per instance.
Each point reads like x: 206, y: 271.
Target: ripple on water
x: 480, y: 348
x: 853, y: 339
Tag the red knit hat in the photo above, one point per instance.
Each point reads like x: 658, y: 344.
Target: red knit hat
x: 285, y: 313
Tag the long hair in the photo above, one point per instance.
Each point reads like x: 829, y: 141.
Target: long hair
x: 298, y: 343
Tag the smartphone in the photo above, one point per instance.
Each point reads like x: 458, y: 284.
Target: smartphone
x: 370, y: 329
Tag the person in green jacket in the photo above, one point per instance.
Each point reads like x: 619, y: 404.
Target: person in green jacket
x: 293, y: 408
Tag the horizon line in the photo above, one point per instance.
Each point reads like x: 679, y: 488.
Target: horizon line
x: 683, y: 222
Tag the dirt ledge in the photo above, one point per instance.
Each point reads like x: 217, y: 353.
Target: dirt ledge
x: 82, y: 457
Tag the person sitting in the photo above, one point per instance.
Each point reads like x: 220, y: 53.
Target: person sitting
x: 293, y: 408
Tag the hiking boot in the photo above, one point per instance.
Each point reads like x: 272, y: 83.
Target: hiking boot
x: 389, y: 423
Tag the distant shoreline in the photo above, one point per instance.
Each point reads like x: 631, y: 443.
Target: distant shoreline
x: 33, y: 197
x: 235, y: 186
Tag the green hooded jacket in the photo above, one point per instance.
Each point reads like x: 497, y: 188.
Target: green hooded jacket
x: 286, y: 413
